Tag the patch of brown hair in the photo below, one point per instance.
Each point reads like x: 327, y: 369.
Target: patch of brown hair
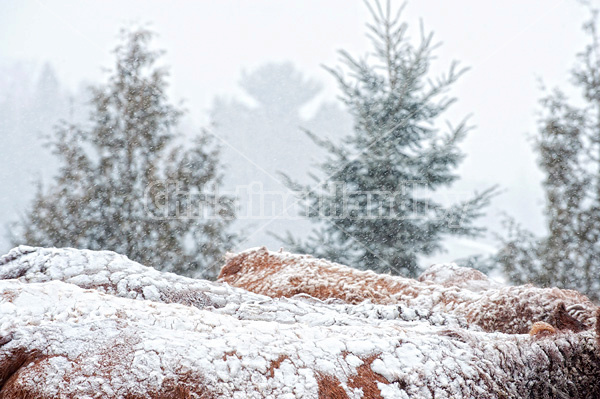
x: 562, y: 320
x: 366, y: 379
x: 232, y: 266
x: 330, y: 387
x: 541, y: 329
x: 230, y: 353
x: 598, y: 326
x: 275, y: 364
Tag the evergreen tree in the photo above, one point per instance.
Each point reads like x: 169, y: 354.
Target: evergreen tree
x: 370, y: 215
x: 568, y: 144
x: 263, y: 137
x: 126, y: 185
x: 32, y: 101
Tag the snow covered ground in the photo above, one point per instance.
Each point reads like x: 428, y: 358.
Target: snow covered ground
x: 85, y: 324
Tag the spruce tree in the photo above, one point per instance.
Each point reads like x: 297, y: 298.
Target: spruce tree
x: 370, y: 216
x: 263, y: 137
x: 127, y: 184
x: 568, y: 145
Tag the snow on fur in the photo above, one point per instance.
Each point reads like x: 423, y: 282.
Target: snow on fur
x: 117, y: 275
x: 447, y: 289
x: 84, y: 324
x: 59, y: 340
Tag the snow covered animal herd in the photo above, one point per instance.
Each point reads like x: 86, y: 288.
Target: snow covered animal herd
x: 89, y: 324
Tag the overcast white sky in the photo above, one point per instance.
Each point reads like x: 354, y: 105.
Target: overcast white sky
x: 507, y: 44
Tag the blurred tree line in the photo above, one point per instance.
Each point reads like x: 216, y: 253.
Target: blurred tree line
x: 125, y: 183
x: 100, y: 198
x: 32, y: 100
x: 261, y: 135
x: 568, y: 147
x: 113, y: 186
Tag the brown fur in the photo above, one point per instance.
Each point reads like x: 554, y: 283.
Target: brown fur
x: 330, y: 387
x: 460, y: 277
x: 275, y: 365
x: 598, y: 327
x: 19, y: 365
x: 541, y: 329
x: 229, y: 353
x: 366, y: 379
x: 562, y: 320
x: 504, y: 309
x: 186, y: 386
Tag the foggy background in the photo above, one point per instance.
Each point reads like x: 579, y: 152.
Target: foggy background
x: 51, y: 50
